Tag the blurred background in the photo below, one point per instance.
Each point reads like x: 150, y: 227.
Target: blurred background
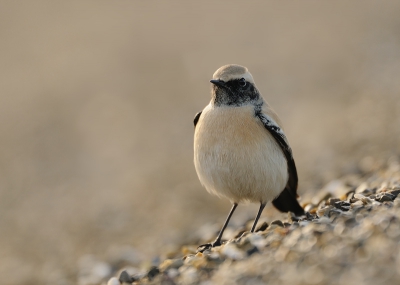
x: 97, y: 100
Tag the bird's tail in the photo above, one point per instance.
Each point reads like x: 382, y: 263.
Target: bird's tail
x: 287, y: 202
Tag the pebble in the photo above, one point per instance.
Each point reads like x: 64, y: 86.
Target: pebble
x: 324, y: 211
x: 342, y: 205
x: 170, y: 263
x: 153, y: 272
x: 262, y: 227
x: 333, y: 201
x: 384, y: 196
x: 233, y: 252
x: 309, y: 207
x: 124, y: 277
x: 189, y: 275
x: 358, y: 196
x: 173, y: 273
x: 113, y: 281
x: 277, y: 222
x: 395, y: 192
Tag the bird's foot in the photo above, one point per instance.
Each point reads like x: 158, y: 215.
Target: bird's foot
x: 207, y: 246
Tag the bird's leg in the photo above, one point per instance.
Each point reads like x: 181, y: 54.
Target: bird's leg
x: 262, y: 206
x: 217, y: 241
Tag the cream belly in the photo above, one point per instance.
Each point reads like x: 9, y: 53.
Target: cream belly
x: 236, y: 157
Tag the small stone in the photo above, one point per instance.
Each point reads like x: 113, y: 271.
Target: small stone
x: 358, y: 196
x: 113, y: 281
x: 153, y: 272
x: 254, y: 240
x: 262, y: 228
x: 324, y: 211
x: 252, y: 250
x: 395, y: 192
x: 356, y: 205
x: 367, y: 200
x: 277, y: 222
x: 197, y: 262
x: 323, y: 220
x: 187, y: 257
x: 303, y: 223
x: 292, y: 217
x: 172, y: 273
x: 313, y: 211
x: 124, y: 277
x: 342, y: 205
x: 350, y: 196
x: 384, y: 196
x: 189, y: 275
x: 213, y: 256
x: 170, y: 263
x: 310, y: 216
x: 165, y: 264
x: 367, y: 192
x: 334, y: 213
x: 308, y: 207
x: 231, y: 251
x: 332, y: 201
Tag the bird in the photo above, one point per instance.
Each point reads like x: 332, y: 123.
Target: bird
x: 240, y: 149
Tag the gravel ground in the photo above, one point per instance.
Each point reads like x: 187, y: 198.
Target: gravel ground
x: 350, y: 235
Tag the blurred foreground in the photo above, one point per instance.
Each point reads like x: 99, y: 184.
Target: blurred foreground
x: 97, y: 101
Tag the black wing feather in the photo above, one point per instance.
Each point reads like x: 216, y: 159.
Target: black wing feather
x: 196, y: 118
x: 287, y: 200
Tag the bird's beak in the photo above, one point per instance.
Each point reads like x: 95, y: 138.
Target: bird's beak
x: 218, y: 82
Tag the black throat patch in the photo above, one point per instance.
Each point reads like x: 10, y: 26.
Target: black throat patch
x: 233, y: 93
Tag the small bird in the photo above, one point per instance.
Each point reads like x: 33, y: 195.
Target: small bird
x: 240, y: 149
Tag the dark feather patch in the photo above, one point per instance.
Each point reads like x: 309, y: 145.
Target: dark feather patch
x: 287, y: 200
x: 196, y: 118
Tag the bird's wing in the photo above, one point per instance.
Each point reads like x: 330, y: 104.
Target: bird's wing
x: 287, y: 200
x: 196, y: 118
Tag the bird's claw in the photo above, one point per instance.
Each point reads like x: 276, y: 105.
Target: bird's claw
x: 204, y: 247
x: 207, y: 246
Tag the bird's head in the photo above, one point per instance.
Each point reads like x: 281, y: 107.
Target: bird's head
x: 233, y: 85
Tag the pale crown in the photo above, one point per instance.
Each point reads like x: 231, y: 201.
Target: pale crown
x: 233, y: 71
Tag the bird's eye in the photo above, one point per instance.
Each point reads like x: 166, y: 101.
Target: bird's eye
x: 242, y: 82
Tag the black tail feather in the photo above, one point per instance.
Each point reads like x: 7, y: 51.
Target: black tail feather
x: 286, y: 202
